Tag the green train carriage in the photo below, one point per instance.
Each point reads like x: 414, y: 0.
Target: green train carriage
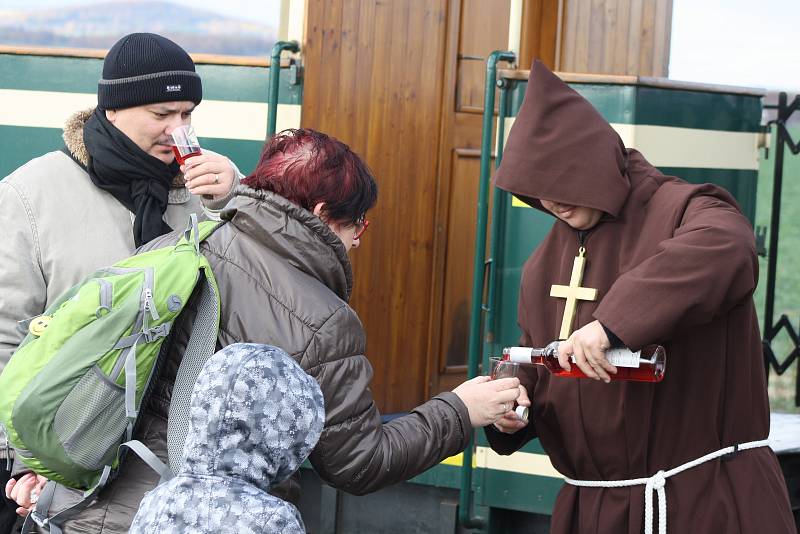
x: 698, y: 132
x: 41, y: 88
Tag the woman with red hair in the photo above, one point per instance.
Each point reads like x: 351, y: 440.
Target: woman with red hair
x: 284, y: 277
x: 321, y: 175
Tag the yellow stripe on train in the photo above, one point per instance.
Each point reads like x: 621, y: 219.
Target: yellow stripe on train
x: 526, y: 463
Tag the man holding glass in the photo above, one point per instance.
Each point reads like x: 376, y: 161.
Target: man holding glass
x: 113, y: 187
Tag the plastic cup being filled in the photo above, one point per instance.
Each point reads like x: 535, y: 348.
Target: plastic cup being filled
x: 184, y: 143
x: 500, y: 368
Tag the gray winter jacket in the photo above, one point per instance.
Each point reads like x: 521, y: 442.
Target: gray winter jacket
x: 255, y: 416
x: 284, y: 279
x: 58, y: 227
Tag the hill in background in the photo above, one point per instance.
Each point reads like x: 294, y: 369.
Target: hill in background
x: 101, y: 24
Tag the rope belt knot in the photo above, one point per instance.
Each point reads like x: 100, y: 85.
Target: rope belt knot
x: 657, y: 483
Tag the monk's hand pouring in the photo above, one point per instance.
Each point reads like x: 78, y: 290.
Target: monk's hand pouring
x: 588, y: 346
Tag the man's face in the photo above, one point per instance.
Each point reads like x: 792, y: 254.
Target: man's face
x: 149, y: 126
x: 578, y: 217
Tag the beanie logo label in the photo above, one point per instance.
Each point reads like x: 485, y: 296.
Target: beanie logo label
x: 173, y: 88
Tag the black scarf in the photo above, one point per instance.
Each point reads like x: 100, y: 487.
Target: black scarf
x: 139, y: 181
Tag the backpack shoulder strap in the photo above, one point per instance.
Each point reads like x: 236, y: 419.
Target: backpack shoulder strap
x: 199, y: 348
x: 196, y: 233
x: 40, y: 515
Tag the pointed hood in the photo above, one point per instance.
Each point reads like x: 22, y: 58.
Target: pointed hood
x: 255, y: 416
x: 560, y: 148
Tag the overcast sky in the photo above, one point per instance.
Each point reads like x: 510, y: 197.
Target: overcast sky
x: 734, y: 42
x: 737, y: 42
x: 265, y: 11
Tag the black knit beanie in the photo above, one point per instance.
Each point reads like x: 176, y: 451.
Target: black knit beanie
x: 144, y: 68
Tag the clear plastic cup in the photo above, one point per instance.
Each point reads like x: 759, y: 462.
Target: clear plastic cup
x: 500, y: 368
x: 185, y: 143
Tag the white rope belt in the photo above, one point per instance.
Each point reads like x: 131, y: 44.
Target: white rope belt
x: 658, y: 481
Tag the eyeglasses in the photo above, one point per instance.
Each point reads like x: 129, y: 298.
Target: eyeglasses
x: 361, y: 227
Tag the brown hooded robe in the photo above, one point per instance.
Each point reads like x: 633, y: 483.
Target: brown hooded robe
x: 674, y: 264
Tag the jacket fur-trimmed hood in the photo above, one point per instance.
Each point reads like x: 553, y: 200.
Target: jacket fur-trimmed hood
x: 73, y: 135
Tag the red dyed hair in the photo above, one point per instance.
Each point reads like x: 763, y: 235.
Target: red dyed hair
x: 308, y: 167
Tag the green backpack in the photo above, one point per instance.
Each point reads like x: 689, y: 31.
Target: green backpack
x: 71, y: 393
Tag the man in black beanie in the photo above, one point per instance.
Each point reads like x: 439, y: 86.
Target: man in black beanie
x: 114, y: 186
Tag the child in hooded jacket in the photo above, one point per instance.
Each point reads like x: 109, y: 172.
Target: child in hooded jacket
x: 255, y: 417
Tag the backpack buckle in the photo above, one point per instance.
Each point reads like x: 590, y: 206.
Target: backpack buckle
x: 192, y: 233
x: 151, y: 334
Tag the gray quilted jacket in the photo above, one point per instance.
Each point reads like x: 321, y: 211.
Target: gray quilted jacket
x: 255, y: 416
x: 284, y: 279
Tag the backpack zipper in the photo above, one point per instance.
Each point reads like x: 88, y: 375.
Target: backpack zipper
x: 147, y: 308
x: 106, y: 295
x: 149, y: 304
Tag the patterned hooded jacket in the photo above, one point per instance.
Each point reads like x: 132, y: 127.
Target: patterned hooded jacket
x: 255, y: 417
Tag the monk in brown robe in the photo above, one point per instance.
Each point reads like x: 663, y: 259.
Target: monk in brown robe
x: 673, y: 264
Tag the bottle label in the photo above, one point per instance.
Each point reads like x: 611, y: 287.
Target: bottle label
x: 623, y: 357
x: 519, y: 354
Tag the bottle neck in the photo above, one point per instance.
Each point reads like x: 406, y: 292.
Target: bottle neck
x: 530, y: 354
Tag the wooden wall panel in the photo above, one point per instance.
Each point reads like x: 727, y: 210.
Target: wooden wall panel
x: 460, y: 246
x: 539, y: 33
x: 484, y: 28
x: 616, y: 37
x: 373, y: 79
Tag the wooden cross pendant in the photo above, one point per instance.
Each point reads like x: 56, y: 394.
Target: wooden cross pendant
x: 573, y: 292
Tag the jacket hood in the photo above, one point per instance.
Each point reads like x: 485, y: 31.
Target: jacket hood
x: 294, y: 233
x: 561, y: 149
x: 73, y: 135
x: 255, y: 416
x: 73, y: 140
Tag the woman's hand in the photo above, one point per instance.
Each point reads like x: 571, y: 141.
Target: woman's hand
x: 510, y: 423
x: 25, y: 491
x: 589, y: 345
x: 209, y: 174
x: 488, y: 400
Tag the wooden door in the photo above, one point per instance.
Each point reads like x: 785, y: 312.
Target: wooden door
x: 402, y: 83
x: 477, y: 28
x: 373, y: 79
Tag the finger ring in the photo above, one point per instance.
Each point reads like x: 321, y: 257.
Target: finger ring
x: 34, y: 497
x: 505, y: 407
x: 216, y: 178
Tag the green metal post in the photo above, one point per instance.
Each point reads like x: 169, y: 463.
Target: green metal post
x: 465, y: 516
x: 499, y: 204
x: 274, y: 82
